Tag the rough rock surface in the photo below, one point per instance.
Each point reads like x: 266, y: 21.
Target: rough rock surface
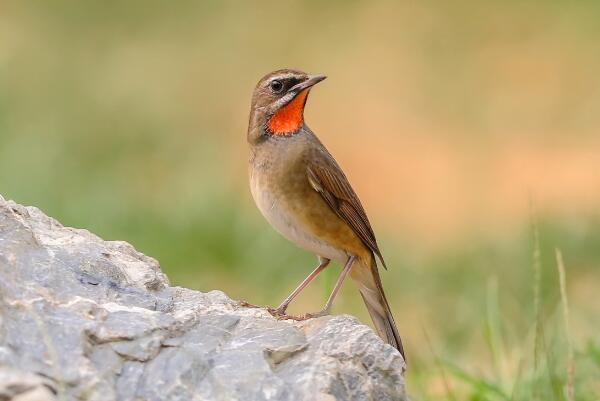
x: 87, y: 319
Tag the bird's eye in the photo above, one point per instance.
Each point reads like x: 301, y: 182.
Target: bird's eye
x: 276, y: 86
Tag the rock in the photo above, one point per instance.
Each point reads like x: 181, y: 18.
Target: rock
x: 22, y: 386
x: 87, y: 319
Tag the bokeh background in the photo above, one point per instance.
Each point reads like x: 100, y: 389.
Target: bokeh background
x: 471, y: 131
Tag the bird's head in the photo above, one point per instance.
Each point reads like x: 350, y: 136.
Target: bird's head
x: 278, y: 101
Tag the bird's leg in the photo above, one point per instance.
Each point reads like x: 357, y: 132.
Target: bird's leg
x: 338, y: 284
x: 280, y: 310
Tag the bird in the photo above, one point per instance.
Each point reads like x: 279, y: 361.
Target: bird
x: 304, y: 194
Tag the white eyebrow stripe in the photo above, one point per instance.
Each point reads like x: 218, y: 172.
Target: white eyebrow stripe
x: 279, y: 77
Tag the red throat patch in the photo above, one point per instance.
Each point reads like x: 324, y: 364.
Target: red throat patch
x: 289, y: 118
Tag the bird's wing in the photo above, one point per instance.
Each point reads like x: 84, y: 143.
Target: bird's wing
x: 327, y: 178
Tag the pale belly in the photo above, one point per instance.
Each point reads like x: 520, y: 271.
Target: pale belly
x: 296, y: 231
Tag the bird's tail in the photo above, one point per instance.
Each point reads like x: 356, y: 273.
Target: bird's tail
x: 367, y: 278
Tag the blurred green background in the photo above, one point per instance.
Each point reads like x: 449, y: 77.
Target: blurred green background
x: 466, y: 127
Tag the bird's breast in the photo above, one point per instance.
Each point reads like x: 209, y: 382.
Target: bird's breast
x: 283, y: 195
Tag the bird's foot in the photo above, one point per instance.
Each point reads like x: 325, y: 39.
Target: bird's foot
x: 277, y: 313
x: 245, y: 304
x: 307, y: 316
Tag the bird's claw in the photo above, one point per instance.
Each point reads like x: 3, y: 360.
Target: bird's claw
x: 277, y: 313
x: 280, y: 314
x: 307, y: 316
x: 245, y: 304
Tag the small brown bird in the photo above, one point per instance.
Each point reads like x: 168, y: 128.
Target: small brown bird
x: 304, y: 194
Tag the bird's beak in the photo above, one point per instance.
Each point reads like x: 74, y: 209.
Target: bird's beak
x: 311, y: 80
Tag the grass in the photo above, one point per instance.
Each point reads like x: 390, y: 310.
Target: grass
x: 569, y: 387
x: 537, y: 363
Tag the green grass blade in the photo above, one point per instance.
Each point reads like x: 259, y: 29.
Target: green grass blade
x: 479, y: 384
x: 570, y: 389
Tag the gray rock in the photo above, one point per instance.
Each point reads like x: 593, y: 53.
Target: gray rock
x: 87, y: 319
x: 17, y: 385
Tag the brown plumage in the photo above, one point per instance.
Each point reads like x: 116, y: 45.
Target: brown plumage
x: 328, y: 179
x: 304, y: 194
